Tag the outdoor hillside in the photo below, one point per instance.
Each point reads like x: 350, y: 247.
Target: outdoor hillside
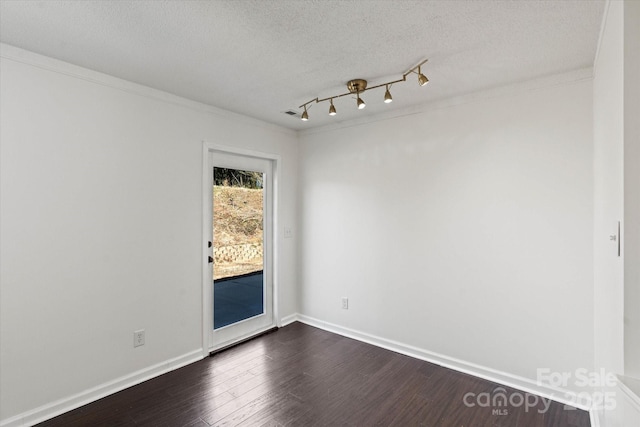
x: 237, y: 230
x: 238, y: 214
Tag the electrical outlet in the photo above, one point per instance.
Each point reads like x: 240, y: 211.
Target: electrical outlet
x: 138, y: 338
x: 345, y: 303
x: 288, y: 233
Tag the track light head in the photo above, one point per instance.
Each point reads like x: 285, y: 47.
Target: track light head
x: 332, y: 109
x: 422, y: 79
x: 387, y: 96
x: 361, y: 103
x: 305, y: 115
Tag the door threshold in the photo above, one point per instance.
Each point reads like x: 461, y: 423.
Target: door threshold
x: 226, y: 347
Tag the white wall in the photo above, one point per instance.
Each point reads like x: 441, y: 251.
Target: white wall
x: 632, y: 187
x: 101, y: 205
x: 608, y: 133
x: 463, y: 230
x: 617, y: 197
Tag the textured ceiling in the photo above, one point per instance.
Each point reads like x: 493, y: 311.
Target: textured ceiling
x: 261, y: 58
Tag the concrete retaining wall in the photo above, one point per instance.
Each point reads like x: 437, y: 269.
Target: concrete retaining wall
x: 232, y: 253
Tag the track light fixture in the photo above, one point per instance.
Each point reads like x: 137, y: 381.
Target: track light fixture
x: 387, y: 96
x: 361, y: 103
x: 357, y: 86
x: 332, y: 109
x: 422, y: 79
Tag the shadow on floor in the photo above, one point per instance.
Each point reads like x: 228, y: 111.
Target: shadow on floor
x: 237, y: 298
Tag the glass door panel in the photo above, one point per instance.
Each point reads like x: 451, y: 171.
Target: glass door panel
x: 238, y: 242
x: 241, y: 207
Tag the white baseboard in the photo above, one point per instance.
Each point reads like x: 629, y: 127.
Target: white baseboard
x: 288, y: 319
x: 632, y: 397
x: 596, y: 418
x: 520, y: 383
x: 625, y: 412
x: 61, y: 406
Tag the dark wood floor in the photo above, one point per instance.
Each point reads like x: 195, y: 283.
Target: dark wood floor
x: 303, y: 376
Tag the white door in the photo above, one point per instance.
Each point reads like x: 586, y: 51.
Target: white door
x: 241, y: 236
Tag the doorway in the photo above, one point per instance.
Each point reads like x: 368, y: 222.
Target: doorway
x: 239, y: 290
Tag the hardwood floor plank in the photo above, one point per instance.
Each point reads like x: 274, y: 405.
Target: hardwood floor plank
x: 304, y: 376
x: 288, y: 411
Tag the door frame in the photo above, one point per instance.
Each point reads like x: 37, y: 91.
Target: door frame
x: 206, y: 232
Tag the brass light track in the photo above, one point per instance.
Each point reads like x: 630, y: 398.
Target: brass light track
x: 359, y: 86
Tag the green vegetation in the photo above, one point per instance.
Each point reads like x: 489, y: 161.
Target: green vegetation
x: 237, y: 178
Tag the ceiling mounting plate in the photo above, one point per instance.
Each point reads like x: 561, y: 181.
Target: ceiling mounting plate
x: 356, y: 85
